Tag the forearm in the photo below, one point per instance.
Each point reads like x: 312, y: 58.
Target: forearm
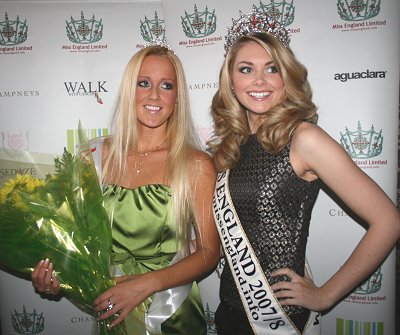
x: 187, y: 270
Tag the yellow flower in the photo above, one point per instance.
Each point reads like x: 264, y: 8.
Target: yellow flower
x: 25, y: 183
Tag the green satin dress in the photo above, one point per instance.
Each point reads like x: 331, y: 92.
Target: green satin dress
x: 144, y: 240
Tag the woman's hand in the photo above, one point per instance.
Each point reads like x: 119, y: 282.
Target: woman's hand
x: 300, y: 291
x: 129, y: 292
x: 44, y: 279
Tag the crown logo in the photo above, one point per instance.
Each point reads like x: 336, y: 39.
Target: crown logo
x: 282, y: 12
x: 27, y: 323
x: 152, y: 29
x: 357, y: 10
x: 372, y: 285
x: 210, y: 319
x: 84, y: 31
x: 199, y: 24
x: 362, y: 144
x: 13, y: 32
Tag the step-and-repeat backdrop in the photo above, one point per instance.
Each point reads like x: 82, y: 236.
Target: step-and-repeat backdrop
x: 61, y: 62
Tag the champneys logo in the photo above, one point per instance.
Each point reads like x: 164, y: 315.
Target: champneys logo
x: 368, y: 74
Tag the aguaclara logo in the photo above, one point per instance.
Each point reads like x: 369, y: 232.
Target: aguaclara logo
x: 367, y: 74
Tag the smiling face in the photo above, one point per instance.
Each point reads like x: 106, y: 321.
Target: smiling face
x: 257, y: 84
x: 156, y: 92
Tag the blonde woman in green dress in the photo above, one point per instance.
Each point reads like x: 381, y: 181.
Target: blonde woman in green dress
x: 159, y: 186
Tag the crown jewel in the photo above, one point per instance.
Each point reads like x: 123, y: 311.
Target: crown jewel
x: 255, y: 22
x: 158, y: 41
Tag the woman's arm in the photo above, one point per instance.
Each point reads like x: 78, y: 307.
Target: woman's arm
x: 132, y: 290
x: 315, y: 153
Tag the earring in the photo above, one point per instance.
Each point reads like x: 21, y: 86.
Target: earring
x: 233, y: 91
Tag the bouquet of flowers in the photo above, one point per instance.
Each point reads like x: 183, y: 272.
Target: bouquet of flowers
x: 60, y: 217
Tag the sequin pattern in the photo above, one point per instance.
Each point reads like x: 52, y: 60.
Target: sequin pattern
x: 274, y: 206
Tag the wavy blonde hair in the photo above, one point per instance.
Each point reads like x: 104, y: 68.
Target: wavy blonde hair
x: 231, y: 127
x: 181, y: 139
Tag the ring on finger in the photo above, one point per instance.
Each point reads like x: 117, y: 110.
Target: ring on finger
x: 110, y: 305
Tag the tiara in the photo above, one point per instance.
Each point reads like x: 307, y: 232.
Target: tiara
x: 157, y: 41
x: 255, y: 22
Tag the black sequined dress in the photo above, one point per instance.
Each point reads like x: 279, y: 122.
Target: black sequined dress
x: 274, y: 207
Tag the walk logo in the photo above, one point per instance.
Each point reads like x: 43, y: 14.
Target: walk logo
x: 15, y: 141
x: 12, y: 34
x: 363, y: 145
x: 358, y: 14
x: 282, y: 12
x: 198, y: 26
x: 152, y: 29
x: 27, y: 323
x: 353, y: 327
x: 84, y: 34
x: 73, y: 139
x: 210, y: 320
x: 367, y: 292
x: 85, y: 89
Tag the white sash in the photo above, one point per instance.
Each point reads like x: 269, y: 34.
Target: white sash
x: 263, y: 310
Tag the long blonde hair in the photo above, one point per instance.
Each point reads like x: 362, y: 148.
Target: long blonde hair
x: 230, y: 119
x: 181, y: 138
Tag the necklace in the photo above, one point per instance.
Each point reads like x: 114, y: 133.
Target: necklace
x: 142, y: 156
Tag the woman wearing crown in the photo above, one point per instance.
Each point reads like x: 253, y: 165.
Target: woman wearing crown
x: 272, y: 158
x: 158, y: 187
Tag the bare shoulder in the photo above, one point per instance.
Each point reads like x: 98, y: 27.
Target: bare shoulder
x: 312, y: 150
x: 309, y: 133
x: 309, y: 138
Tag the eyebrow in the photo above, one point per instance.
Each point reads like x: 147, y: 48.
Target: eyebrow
x: 251, y: 63
x: 147, y: 77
